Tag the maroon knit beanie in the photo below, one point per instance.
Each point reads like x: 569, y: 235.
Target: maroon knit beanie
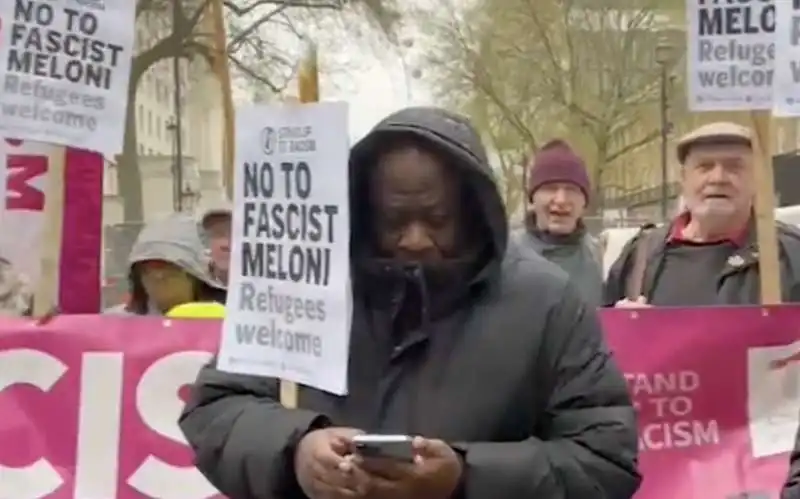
x: 557, y: 162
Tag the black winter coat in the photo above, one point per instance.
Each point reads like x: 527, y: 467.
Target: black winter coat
x: 514, y: 372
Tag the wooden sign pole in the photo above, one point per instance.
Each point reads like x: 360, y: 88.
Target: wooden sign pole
x: 45, y: 297
x: 222, y: 71
x: 769, y: 267
x: 308, y: 91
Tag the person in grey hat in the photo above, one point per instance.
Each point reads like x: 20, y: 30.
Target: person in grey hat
x: 707, y: 255
x: 216, y: 224
x: 168, y: 268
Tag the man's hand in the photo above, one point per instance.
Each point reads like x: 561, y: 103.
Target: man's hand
x: 324, y: 468
x: 434, y: 474
x: 640, y: 302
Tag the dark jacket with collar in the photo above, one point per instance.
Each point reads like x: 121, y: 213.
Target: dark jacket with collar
x: 512, y: 370
x: 578, y: 254
x: 738, y: 283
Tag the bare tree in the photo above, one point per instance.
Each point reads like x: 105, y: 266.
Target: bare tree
x: 248, y: 51
x: 578, y: 70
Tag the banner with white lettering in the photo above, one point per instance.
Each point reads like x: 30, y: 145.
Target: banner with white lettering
x: 786, y: 90
x: 64, y: 70
x: 288, y: 308
x: 85, y: 413
x: 89, y: 404
x: 731, y: 51
x: 26, y: 165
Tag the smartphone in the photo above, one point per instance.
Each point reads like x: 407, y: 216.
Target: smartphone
x: 395, y: 447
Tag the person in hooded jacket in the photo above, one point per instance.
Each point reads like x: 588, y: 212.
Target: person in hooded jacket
x: 168, y: 267
x: 507, y: 397
x: 558, y: 191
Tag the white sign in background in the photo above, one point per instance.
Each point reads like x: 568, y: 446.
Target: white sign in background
x: 786, y: 89
x: 25, y: 165
x: 64, y: 71
x: 731, y: 51
x: 289, y: 302
x: 773, y: 398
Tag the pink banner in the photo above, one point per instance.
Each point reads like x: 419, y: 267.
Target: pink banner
x: 718, y: 401
x: 88, y: 404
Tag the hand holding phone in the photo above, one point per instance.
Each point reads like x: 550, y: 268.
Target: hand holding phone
x: 393, y: 447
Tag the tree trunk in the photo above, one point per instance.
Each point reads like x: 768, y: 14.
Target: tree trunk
x: 129, y: 177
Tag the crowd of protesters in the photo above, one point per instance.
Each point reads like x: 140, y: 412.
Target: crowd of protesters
x: 482, y: 342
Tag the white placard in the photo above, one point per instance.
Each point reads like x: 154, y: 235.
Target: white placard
x: 26, y: 168
x: 731, y: 51
x: 64, y: 71
x: 289, y: 302
x: 786, y: 89
x: 773, y: 398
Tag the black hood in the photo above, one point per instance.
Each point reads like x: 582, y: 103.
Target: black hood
x: 452, y: 136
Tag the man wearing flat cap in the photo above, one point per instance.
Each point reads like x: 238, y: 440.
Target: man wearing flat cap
x: 216, y: 225
x: 708, y: 255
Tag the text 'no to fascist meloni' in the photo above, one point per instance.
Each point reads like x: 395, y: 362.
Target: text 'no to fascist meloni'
x: 287, y: 239
x: 36, y: 46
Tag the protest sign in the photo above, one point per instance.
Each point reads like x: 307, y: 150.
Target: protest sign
x: 714, y: 417
x: 786, y: 89
x: 64, y: 70
x: 83, y: 414
x: 89, y: 404
x: 731, y: 50
x: 77, y: 249
x: 288, y: 299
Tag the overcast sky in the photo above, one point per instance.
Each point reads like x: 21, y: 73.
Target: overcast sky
x: 372, y: 76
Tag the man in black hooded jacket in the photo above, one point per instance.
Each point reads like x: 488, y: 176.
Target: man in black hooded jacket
x: 486, y: 353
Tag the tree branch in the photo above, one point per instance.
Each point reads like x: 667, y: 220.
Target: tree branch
x: 629, y: 148
x: 310, y: 4
x: 252, y: 74
x: 143, y: 6
x: 235, y: 42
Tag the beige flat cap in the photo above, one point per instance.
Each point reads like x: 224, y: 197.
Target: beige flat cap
x: 223, y: 208
x: 714, y: 133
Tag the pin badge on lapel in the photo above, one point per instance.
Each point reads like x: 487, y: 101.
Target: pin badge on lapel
x: 735, y: 261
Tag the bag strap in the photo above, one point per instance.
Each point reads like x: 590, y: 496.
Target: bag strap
x: 644, y: 246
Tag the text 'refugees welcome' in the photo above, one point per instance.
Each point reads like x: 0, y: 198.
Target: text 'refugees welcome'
x: 728, y: 32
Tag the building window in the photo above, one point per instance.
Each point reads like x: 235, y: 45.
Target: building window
x: 149, y: 122
x: 141, y: 149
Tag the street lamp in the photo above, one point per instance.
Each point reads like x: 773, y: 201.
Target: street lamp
x: 663, y: 57
x: 173, y: 126
x: 190, y: 198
